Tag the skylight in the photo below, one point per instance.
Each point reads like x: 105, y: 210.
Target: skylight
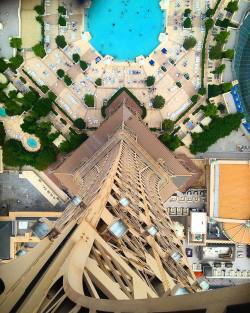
x: 118, y: 229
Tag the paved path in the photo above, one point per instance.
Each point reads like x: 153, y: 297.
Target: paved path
x: 209, y: 40
x: 225, y: 155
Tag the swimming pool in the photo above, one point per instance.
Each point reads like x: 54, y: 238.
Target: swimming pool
x: 3, y: 112
x: 125, y: 29
x: 32, y: 143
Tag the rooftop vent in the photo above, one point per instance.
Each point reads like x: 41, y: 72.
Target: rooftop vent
x: 203, y: 284
x: 41, y: 228
x: 20, y: 252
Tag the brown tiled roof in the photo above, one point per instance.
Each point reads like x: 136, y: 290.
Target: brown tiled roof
x: 123, y: 98
x: 145, y: 139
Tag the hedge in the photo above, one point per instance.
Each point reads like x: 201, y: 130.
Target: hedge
x: 219, y: 127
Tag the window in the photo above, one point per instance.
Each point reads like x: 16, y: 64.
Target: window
x: 176, y: 256
x: 152, y: 230
x: 124, y: 202
x: 118, y: 229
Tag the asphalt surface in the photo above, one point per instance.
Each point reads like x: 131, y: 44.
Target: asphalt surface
x: 18, y: 194
x: 9, y: 19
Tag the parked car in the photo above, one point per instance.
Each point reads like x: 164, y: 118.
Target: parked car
x: 228, y: 264
x: 189, y: 252
x: 217, y: 264
x: 248, y: 251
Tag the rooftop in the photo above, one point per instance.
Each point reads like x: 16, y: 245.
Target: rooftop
x: 230, y: 198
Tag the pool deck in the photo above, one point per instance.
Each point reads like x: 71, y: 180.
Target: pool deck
x: 116, y: 74
x: 13, y: 131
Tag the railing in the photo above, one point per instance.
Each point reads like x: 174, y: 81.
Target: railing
x: 215, y: 301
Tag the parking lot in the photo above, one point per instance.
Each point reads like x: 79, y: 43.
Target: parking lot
x: 10, y: 22
x: 17, y: 194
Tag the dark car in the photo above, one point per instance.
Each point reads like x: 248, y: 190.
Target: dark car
x: 248, y: 251
x: 217, y: 264
x: 228, y: 264
x: 189, y: 252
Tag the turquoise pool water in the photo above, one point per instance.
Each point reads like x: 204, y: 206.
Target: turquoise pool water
x: 125, y: 29
x: 2, y: 112
x: 32, y: 143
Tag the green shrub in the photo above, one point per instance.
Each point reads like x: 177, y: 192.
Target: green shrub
x: 215, y: 90
x: 219, y: 127
x: 15, y: 155
x: 62, y: 21
x: 79, y: 123
x: 60, y: 41
x: 225, y: 23
x: 219, y: 69
x: 13, y: 108
x: 83, y: 65
x: 39, y: 19
x: 178, y: 84
x: 42, y: 107
x: 15, y: 62
x: 63, y: 121
x: 39, y: 9
x: 62, y: 10
x: 2, y: 134
x: 187, y: 12
x: 187, y: 23
x: 221, y: 107
x: 210, y: 12
x: 44, y: 158
x: 22, y: 79
x: 222, y: 37
x: 194, y: 99
x: 228, y: 54
x: 73, y: 142
x: 89, y: 100
x: 98, y: 82
x: 168, y: 125
x: 232, y: 6
x: 67, y: 80
x: 52, y: 96
x: 202, y: 91
x: 158, y: 102
x: 44, y: 88
x: 76, y: 57
x: 3, y: 65
x: 150, y: 81
x: 16, y: 42
x: 170, y: 141
x: 12, y: 94
x: 209, y: 23
x: 39, y: 50
x: 60, y: 73
x: 210, y: 110
x: 189, y: 43
x: 216, y: 53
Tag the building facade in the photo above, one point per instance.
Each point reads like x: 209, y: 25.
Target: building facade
x: 114, y: 249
